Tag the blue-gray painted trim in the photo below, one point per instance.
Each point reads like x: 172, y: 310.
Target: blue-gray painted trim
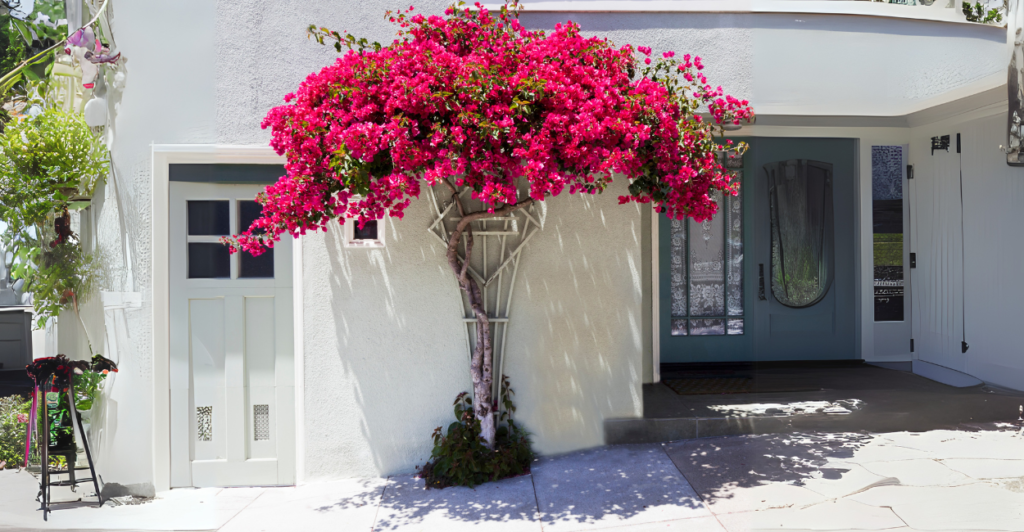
x: 226, y: 173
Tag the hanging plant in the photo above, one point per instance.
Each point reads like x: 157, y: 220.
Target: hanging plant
x: 50, y: 165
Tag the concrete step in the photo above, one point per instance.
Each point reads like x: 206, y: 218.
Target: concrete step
x: 660, y: 430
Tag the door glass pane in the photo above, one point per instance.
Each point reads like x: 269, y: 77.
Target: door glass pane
x: 678, y: 271
x: 706, y: 270
x: 707, y: 264
x: 248, y: 211
x: 208, y: 261
x: 208, y: 218
x: 368, y: 232
x: 887, y: 214
x: 735, y: 327
x: 249, y: 266
x: 679, y: 328
x: 256, y: 267
x: 705, y: 327
x: 800, y: 192
x: 735, y: 284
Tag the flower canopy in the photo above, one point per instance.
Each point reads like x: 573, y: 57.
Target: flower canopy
x: 476, y: 100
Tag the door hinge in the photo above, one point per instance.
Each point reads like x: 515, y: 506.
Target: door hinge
x: 913, y: 260
x: 911, y: 345
x: 910, y: 171
x: 958, y: 143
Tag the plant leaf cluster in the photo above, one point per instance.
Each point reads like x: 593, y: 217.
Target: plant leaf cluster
x: 49, y: 164
x: 977, y: 13
x: 460, y: 458
x: 29, y: 39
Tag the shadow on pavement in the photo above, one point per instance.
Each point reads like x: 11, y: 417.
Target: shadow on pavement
x: 715, y: 467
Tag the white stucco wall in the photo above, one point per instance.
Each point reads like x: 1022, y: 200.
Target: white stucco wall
x: 169, y: 98
x: 384, y: 352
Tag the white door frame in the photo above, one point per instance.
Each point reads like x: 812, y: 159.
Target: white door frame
x: 165, y: 155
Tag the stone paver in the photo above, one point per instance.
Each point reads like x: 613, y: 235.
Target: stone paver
x: 986, y: 467
x: 613, y: 486
x: 692, y: 524
x: 831, y: 515
x: 970, y: 507
x: 943, y: 444
x: 919, y: 472
x: 940, y: 480
x: 836, y: 482
x: 189, y: 509
x: 321, y: 507
x: 506, y: 505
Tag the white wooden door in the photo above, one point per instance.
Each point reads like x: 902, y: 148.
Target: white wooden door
x: 231, y: 349
x: 938, y: 241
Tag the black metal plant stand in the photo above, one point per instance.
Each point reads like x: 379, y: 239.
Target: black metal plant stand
x: 44, y: 474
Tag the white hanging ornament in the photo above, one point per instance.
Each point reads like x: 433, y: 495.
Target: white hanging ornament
x: 96, y: 112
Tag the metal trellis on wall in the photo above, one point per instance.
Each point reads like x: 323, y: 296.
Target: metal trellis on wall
x: 494, y: 264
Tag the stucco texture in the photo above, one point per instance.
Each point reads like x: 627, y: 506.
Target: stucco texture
x: 169, y: 98
x: 385, y: 349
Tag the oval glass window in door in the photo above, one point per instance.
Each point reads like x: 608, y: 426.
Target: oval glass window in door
x: 800, y: 195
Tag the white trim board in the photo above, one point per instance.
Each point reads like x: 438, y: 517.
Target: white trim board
x: 655, y: 300
x: 165, y: 155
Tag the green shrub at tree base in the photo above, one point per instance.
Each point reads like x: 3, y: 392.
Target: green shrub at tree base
x: 460, y: 457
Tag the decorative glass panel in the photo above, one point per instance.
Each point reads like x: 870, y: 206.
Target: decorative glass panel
x: 706, y: 327
x: 706, y: 269
x: 204, y: 423
x: 707, y: 264
x: 887, y: 213
x: 735, y: 327
x: 678, y: 270
x: 679, y: 328
x: 261, y: 422
x: 209, y: 218
x: 208, y: 260
x: 734, y: 292
x: 800, y: 192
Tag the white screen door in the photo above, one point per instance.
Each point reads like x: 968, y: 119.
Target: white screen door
x: 231, y: 347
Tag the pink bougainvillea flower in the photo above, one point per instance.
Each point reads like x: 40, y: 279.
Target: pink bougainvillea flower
x: 476, y: 100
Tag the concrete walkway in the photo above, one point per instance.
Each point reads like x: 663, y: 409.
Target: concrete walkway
x: 878, y: 400
x: 939, y: 480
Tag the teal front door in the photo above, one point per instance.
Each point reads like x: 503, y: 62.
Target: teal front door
x: 772, y: 275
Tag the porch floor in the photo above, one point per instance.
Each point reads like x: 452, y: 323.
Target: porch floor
x: 847, y: 399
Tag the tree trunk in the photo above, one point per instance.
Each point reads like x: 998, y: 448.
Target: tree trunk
x: 482, y: 362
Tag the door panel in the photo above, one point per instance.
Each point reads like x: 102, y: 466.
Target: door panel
x: 826, y: 329
x: 759, y: 326
x: 231, y: 347
x: 938, y: 304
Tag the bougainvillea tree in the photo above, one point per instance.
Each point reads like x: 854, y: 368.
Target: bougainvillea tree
x: 473, y: 100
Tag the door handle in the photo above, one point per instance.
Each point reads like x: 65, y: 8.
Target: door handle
x: 760, y: 283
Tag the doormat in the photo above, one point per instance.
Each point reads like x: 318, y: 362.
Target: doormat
x: 722, y: 385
